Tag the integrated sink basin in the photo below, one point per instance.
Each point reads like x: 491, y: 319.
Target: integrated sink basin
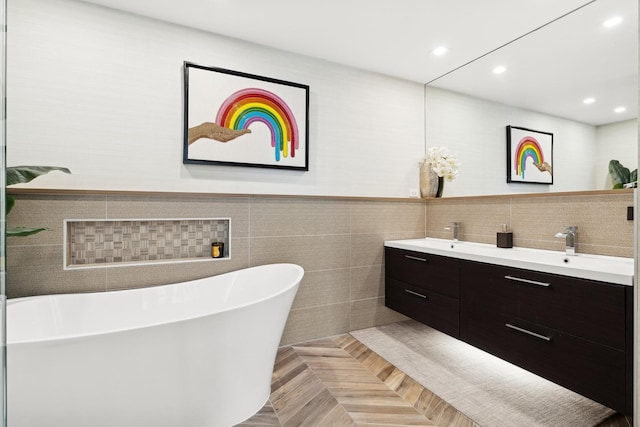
x: 594, y: 267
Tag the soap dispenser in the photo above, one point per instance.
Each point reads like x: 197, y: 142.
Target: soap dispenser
x: 504, y: 238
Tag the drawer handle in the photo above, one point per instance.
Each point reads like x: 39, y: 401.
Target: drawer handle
x: 533, y: 334
x: 416, y: 294
x: 415, y: 258
x: 531, y: 282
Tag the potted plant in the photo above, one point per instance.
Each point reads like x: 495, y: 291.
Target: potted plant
x: 436, y: 166
x: 621, y: 176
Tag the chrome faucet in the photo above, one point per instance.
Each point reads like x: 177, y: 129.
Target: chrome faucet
x: 571, y: 239
x: 455, y: 227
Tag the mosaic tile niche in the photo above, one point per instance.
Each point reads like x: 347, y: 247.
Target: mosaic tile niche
x: 140, y: 241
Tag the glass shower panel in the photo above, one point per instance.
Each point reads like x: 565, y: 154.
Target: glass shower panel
x: 3, y: 204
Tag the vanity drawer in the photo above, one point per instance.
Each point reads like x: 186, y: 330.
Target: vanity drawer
x: 483, y: 287
x: 587, y: 309
x: 591, y: 310
x: 432, y: 272
x: 591, y: 369
x: 438, y: 311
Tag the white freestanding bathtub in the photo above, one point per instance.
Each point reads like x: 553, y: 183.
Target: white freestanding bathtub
x: 192, y: 354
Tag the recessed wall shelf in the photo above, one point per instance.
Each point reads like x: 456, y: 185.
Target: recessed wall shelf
x: 91, y: 243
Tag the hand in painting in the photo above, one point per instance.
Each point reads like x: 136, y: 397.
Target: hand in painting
x: 213, y: 131
x: 542, y: 167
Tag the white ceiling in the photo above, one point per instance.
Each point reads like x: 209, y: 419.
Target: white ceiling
x: 396, y: 37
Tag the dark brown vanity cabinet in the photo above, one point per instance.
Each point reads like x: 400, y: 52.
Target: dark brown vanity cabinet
x: 575, y: 332
x: 424, y: 287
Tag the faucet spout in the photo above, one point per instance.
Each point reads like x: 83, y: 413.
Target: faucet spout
x: 571, y: 239
x: 455, y: 227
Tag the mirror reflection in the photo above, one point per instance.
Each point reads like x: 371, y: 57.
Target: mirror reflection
x: 575, y: 77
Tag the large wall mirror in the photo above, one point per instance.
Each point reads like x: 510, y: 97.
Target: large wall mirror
x: 575, y: 77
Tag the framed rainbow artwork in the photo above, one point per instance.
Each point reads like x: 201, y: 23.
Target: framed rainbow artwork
x: 529, y: 156
x: 239, y: 119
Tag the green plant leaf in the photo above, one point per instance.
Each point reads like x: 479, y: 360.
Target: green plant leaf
x: 619, y: 174
x: 11, y: 201
x: 22, y: 174
x: 23, y: 231
x: 634, y: 176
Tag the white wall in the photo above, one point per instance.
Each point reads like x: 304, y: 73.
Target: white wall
x: 100, y: 92
x: 615, y: 141
x: 475, y: 130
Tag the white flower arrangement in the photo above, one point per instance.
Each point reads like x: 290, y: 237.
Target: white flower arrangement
x: 443, y: 163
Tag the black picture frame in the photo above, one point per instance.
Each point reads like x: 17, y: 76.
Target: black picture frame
x: 529, y: 156
x: 234, y: 118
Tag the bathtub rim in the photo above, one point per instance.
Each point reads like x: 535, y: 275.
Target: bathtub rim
x: 63, y: 337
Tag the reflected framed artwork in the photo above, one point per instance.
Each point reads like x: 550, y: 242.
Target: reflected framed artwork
x: 240, y: 119
x: 529, y: 156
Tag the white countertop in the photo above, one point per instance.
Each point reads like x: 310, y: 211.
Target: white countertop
x: 609, y: 269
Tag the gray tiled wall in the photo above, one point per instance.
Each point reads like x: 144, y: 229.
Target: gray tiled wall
x: 603, y: 228
x: 339, y: 243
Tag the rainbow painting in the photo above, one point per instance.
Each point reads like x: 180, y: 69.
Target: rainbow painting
x: 529, y: 156
x: 527, y: 148
x: 252, y: 105
x: 240, y: 119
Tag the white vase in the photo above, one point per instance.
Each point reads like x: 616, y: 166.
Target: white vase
x: 428, y: 181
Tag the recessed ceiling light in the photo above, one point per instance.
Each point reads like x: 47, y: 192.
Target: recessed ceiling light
x: 439, y: 51
x: 620, y: 109
x: 612, y: 22
x: 499, y: 69
x: 589, y: 100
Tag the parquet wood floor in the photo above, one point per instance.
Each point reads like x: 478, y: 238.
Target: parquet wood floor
x: 339, y: 382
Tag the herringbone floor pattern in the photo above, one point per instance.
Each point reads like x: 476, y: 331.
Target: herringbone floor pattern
x: 340, y: 382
